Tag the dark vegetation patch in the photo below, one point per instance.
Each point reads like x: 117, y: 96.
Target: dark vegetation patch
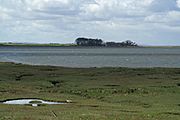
x: 166, y: 86
x: 134, y: 90
x: 176, y: 78
x: 3, y: 91
x: 172, y: 113
x: 140, y: 74
x: 100, y: 93
x: 49, y: 69
x: 92, y: 74
x: 177, y: 72
x: 178, y: 84
x: 154, y: 78
x: 129, y: 111
x: 135, y: 103
x: 112, y: 85
x: 20, y: 76
x: 93, y: 106
x: 54, y: 82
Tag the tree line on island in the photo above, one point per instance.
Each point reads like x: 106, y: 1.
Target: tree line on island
x: 99, y: 42
x: 81, y: 41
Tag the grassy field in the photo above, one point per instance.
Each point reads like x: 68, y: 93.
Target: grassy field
x: 97, y: 93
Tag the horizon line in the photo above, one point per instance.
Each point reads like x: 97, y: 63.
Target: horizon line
x: 143, y: 45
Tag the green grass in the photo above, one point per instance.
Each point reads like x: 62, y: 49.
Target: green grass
x: 96, y: 93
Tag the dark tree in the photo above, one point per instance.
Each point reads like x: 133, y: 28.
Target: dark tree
x: 98, y: 42
x: 89, y: 42
x: 113, y: 44
x: 128, y: 43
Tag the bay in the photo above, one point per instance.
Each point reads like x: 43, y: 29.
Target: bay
x: 92, y: 57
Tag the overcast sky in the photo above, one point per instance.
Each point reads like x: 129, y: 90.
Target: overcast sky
x: 148, y: 22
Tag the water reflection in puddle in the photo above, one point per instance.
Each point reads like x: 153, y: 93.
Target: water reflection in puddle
x: 33, y: 102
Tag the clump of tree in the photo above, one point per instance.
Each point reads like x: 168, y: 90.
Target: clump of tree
x: 100, y: 42
x: 127, y: 43
x: 89, y: 42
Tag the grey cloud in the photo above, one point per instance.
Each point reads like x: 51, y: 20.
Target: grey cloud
x: 163, y: 5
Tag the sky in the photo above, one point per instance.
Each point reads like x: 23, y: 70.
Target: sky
x: 147, y: 22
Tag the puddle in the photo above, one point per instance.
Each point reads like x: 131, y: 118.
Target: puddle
x: 32, y: 102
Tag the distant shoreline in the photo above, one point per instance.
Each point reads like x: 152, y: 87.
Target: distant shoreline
x: 59, y: 45
x: 75, y: 46
x: 105, y: 67
x: 37, y: 45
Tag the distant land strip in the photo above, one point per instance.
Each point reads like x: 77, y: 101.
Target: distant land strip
x: 79, y: 42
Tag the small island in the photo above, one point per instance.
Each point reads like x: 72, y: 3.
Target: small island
x: 99, y: 42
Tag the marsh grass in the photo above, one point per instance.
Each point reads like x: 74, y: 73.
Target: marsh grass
x: 97, y: 93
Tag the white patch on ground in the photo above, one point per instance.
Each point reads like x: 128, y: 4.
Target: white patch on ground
x: 27, y: 101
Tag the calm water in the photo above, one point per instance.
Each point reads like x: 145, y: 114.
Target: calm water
x: 28, y: 101
x: 93, y: 57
